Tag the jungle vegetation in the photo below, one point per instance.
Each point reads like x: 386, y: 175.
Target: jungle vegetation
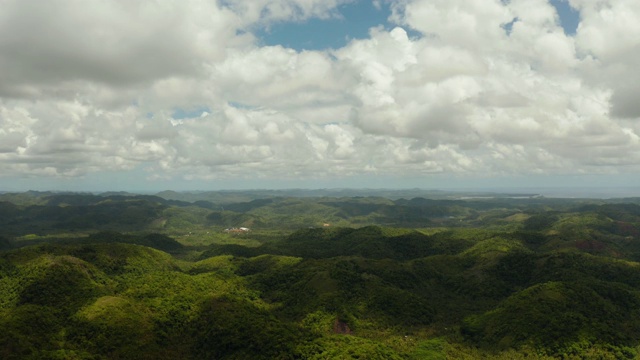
x: 318, y: 276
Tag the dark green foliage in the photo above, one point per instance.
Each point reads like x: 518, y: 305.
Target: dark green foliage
x: 561, y: 318
x: 156, y: 241
x: 29, y: 331
x: 516, y: 268
x: 432, y: 349
x: 618, y: 212
x: 369, y: 242
x: 448, y: 242
x: 385, y: 212
x: 341, y: 286
x: 206, y: 205
x: 400, y: 307
x: 347, y: 348
x: 160, y: 242
x: 78, y: 213
x: 5, y: 244
x: 235, y: 250
x: 232, y: 328
x: 114, y: 328
x: 230, y: 219
x: 244, y: 207
x: 531, y: 238
x: 7, y: 268
x: 540, y: 221
x: 497, y: 278
x: 572, y: 266
x: 120, y: 258
x: 8, y: 210
x: 61, y: 282
x: 266, y: 263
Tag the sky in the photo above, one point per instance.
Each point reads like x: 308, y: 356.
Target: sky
x: 148, y: 95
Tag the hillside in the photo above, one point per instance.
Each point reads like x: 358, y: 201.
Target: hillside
x: 142, y: 277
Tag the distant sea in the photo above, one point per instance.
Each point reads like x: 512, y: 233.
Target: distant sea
x: 573, y: 192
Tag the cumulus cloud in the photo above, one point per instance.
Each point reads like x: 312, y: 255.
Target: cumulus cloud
x: 268, y: 11
x: 518, y: 100
x: 282, y: 79
x: 609, y: 35
x: 119, y: 43
x: 185, y: 90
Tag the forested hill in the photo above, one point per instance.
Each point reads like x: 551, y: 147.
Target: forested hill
x: 124, y: 276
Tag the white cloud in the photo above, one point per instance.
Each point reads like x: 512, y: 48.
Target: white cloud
x: 478, y: 88
x: 282, y: 79
x: 90, y: 86
x: 268, y: 11
x: 610, y: 33
x: 119, y: 43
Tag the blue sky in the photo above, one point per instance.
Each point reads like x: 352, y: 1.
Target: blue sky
x: 569, y: 17
x: 354, y: 21
x: 236, y: 94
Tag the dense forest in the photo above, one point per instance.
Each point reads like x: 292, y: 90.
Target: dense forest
x: 318, y: 275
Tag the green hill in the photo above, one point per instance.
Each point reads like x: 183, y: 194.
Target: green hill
x: 121, y: 276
